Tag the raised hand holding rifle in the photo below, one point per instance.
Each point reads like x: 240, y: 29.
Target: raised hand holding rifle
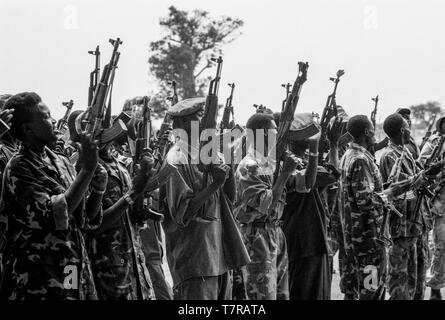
x: 161, y: 143
x: 142, y: 203
x: 287, y: 116
x: 329, y: 112
x: 95, y: 114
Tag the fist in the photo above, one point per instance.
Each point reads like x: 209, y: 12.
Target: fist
x: 290, y: 163
x: 88, y: 154
x: 100, y: 178
x: 220, y: 173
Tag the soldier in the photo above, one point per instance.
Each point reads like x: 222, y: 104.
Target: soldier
x: 259, y: 207
x: 202, y: 238
x: 115, y: 248
x: 43, y: 203
x: 406, y: 261
x: 304, y: 218
x: 8, y: 144
x: 411, y: 145
x: 361, y: 208
x: 437, y: 280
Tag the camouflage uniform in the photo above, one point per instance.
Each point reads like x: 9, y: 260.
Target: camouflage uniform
x: 437, y: 208
x: 6, y: 152
x: 116, y: 253
x: 200, y: 252
x: 42, y: 238
x: 267, y: 275
x: 406, y: 233
x: 362, y: 216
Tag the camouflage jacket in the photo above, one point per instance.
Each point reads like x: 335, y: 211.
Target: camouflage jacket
x: 254, y: 181
x: 402, y: 226
x: 437, y: 203
x: 44, y: 254
x: 117, y: 257
x: 361, y: 210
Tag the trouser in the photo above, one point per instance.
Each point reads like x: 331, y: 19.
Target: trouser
x: 267, y: 275
x: 239, y: 288
x: 422, y: 265
x: 310, y: 278
x: 438, y: 264
x: 403, y: 268
x: 162, y: 289
x: 205, y: 288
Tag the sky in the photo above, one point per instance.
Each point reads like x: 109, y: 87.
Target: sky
x: 392, y: 48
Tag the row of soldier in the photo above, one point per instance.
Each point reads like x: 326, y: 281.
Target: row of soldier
x: 258, y: 229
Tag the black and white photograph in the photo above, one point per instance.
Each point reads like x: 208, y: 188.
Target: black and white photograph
x: 222, y: 153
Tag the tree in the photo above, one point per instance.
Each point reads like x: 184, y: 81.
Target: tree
x: 422, y: 114
x: 184, y: 53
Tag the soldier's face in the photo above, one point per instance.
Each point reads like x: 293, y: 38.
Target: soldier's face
x: 370, y: 134
x: 406, y: 132
x: 407, y: 119
x: 43, y: 125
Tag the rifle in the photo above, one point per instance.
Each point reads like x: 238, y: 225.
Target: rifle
x: 95, y: 114
x: 161, y: 143
x: 329, y: 112
x: 428, y: 131
x: 142, y: 203
x: 287, y: 86
x: 208, y: 121
x: 211, y: 107
x: 228, y: 110
x: 374, y: 112
x: 423, y: 191
x: 94, y: 75
x: 61, y: 124
x: 287, y: 116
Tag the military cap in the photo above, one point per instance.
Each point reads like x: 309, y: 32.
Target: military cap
x: 404, y: 111
x: 303, y: 127
x: 186, y: 107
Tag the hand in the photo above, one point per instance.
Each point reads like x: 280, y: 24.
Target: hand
x: 100, y: 179
x: 335, y: 131
x: 88, y: 153
x: 6, y: 116
x: 290, y: 163
x: 220, y: 173
x: 143, y: 172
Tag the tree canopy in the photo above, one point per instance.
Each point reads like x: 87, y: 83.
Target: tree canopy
x: 184, y: 53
